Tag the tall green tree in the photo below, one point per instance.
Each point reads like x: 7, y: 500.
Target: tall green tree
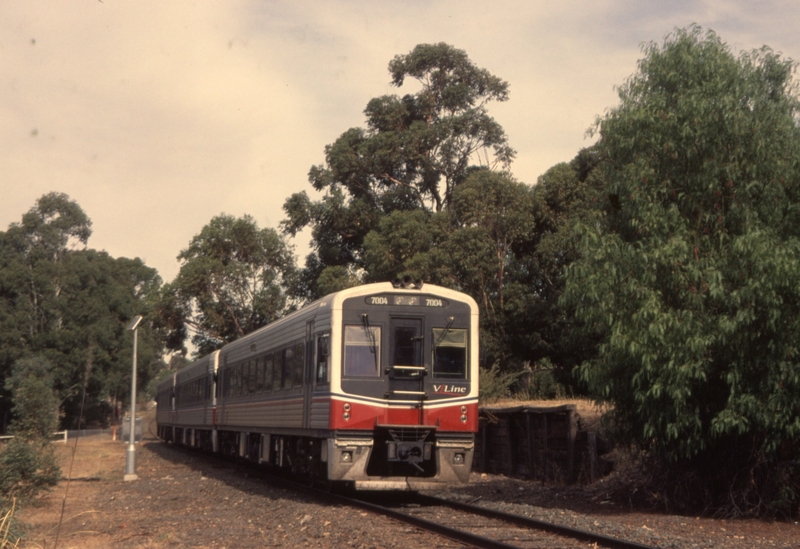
x: 472, y: 246
x: 691, y: 279
x: 413, y: 153
x: 234, y: 278
x: 541, y: 330
x: 508, y: 246
x: 68, y: 303
x: 93, y: 349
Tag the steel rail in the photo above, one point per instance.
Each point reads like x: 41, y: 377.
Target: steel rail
x: 575, y: 533
x: 457, y: 535
x: 475, y: 540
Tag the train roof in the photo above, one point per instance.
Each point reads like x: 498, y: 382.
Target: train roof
x: 333, y: 301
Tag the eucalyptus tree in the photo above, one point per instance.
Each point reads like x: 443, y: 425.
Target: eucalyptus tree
x: 234, y: 278
x: 472, y: 246
x: 92, y: 349
x: 413, y: 153
x: 691, y: 278
x: 67, y: 303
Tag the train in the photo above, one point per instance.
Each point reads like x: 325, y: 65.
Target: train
x: 374, y: 387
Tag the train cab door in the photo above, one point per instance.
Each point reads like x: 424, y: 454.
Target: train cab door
x: 407, y: 370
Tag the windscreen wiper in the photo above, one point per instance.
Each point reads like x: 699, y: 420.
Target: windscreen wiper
x: 373, y: 345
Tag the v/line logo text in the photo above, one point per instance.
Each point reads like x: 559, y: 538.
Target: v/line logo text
x: 449, y: 389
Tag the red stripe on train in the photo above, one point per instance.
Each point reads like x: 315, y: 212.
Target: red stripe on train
x: 359, y: 415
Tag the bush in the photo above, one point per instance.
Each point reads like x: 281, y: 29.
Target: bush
x: 539, y: 383
x: 27, y: 466
x: 690, y: 276
x: 495, y: 385
x: 27, y: 462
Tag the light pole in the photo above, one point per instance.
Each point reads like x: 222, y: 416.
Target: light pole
x: 130, y: 458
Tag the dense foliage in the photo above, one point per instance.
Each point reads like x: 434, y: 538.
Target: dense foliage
x: 412, y: 155
x: 70, y: 304
x: 417, y: 192
x: 27, y: 462
x: 234, y: 278
x: 690, y: 280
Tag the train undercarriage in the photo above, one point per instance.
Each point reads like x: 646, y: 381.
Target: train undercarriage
x: 388, y: 458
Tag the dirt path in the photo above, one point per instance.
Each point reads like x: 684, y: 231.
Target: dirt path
x: 184, y: 500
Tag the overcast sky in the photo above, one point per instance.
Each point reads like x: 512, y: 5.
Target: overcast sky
x: 156, y: 116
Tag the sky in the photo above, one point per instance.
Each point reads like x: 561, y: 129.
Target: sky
x: 157, y: 116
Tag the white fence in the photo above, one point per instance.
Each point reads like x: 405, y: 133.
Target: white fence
x: 60, y: 434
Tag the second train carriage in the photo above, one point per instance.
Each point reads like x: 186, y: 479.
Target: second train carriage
x: 375, y: 385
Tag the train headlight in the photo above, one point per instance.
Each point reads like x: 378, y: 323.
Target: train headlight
x: 458, y: 458
x: 463, y: 409
x: 463, y: 419
x: 347, y: 457
x: 346, y: 406
x: 346, y: 416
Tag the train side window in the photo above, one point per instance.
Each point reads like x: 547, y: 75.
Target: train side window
x: 251, y: 377
x: 449, y: 353
x: 323, y: 351
x: 288, y: 367
x: 259, y: 366
x: 268, y: 373
x: 299, y: 363
x: 278, y: 370
x: 362, y: 351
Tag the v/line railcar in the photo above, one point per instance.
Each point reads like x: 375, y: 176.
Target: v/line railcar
x: 376, y: 386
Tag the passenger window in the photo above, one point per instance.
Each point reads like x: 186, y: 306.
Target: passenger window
x: 268, y: 373
x: 251, y: 377
x: 449, y: 353
x: 278, y: 369
x: 288, y: 367
x: 259, y: 366
x: 322, y: 359
x: 299, y: 363
x: 362, y: 351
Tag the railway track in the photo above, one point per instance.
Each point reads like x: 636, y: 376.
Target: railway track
x: 471, y: 525
x: 486, y: 528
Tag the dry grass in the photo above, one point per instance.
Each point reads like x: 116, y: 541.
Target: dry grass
x: 588, y: 411
x: 5, y: 528
x: 98, y: 462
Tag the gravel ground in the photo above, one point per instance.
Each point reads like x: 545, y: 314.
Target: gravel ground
x: 593, y: 508
x: 183, y: 500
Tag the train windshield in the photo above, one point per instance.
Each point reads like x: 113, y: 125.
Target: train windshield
x: 449, y: 353
x: 362, y: 351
